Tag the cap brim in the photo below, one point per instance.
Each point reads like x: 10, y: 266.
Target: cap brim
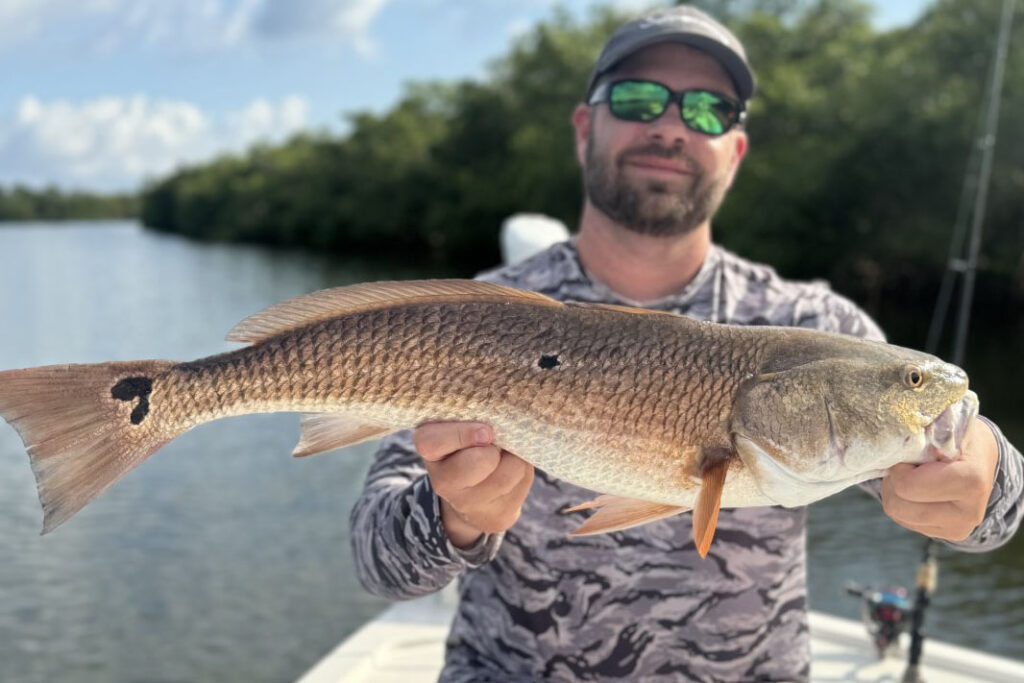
x: 735, y: 67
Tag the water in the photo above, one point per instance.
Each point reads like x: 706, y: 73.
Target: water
x: 221, y: 558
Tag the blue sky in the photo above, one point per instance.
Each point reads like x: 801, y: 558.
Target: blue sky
x: 101, y: 94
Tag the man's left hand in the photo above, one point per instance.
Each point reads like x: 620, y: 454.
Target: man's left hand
x: 945, y: 500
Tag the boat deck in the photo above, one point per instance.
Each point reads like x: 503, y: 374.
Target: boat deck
x: 405, y: 644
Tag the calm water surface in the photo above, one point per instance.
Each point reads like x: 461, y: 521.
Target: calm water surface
x: 221, y: 558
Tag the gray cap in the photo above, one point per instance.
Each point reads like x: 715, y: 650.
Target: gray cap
x: 682, y: 24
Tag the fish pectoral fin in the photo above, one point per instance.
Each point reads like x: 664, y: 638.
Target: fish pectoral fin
x: 709, y: 501
x: 322, y: 432
x: 616, y: 513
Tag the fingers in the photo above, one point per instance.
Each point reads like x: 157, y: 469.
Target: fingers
x: 918, y: 515
x: 476, y: 477
x: 482, y: 488
x: 463, y: 469
x: 940, y: 519
x: 517, y: 494
x: 945, y: 499
x: 507, y: 508
x: 933, y: 482
x: 437, y: 440
x: 508, y: 479
x: 490, y: 506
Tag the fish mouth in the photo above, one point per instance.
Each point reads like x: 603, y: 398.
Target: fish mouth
x: 945, y: 434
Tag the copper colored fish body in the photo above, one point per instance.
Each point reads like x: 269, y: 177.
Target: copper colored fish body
x: 659, y: 412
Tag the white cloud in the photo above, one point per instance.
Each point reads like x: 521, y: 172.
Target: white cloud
x: 107, y: 25
x: 254, y: 121
x: 113, y: 143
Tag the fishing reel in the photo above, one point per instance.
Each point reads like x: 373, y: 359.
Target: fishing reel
x: 886, y: 614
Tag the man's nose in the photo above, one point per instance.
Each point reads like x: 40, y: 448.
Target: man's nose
x: 669, y: 127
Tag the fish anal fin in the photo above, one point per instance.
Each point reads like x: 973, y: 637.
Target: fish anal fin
x: 709, y: 500
x: 322, y: 432
x: 616, y: 513
x: 330, y: 303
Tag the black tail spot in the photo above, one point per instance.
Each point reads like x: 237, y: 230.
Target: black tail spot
x: 131, y: 388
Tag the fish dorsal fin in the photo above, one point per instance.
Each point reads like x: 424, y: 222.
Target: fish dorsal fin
x: 709, y: 501
x: 330, y: 303
x: 622, y: 309
x: 616, y: 513
x: 323, y: 432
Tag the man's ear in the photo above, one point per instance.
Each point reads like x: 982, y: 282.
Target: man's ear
x: 740, y: 145
x: 581, y: 122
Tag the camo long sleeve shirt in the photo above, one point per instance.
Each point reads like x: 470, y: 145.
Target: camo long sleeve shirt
x: 538, y: 605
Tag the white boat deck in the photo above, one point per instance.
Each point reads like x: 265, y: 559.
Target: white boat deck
x: 405, y: 644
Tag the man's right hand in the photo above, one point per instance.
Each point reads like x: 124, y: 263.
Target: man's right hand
x: 481, y: 487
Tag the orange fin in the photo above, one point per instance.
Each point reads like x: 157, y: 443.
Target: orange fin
x: 322, y: 432
x: 331, y: 303
x: 709, y: 500
x: 616, y: 513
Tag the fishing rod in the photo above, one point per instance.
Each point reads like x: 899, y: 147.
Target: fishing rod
x: 887, y: 612
x: 982, y: 153
x: 927, y: 574
x: 927, y: 578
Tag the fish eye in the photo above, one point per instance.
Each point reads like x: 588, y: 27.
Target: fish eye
x: 913, y: 377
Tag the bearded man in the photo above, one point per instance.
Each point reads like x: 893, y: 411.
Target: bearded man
x: 660, y: 138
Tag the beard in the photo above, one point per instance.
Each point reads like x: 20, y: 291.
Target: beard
x: 650, y: 206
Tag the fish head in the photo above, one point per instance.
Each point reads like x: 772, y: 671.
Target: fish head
x: 815, y: 428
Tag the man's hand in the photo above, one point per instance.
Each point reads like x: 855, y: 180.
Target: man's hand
x: 945, y: 499
x: 481, y: 487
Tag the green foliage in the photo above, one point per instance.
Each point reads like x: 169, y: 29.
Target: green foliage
x: 860, y: 140
x: 50, y: 204
x: 859, y: 143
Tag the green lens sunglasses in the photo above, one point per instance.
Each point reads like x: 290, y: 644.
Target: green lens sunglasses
x: 703, y: 111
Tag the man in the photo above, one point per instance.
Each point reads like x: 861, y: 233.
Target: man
x: 444, y: 502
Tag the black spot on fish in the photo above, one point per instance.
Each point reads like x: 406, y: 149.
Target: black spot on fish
x: 131, y: 388
x: 548, y: 362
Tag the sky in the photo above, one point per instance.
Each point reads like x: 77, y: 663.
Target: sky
x: 101, y: 95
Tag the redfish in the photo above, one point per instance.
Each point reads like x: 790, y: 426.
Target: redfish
x: 660, y: 413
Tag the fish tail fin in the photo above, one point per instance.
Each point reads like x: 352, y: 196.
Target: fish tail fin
x: 84, y: 427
